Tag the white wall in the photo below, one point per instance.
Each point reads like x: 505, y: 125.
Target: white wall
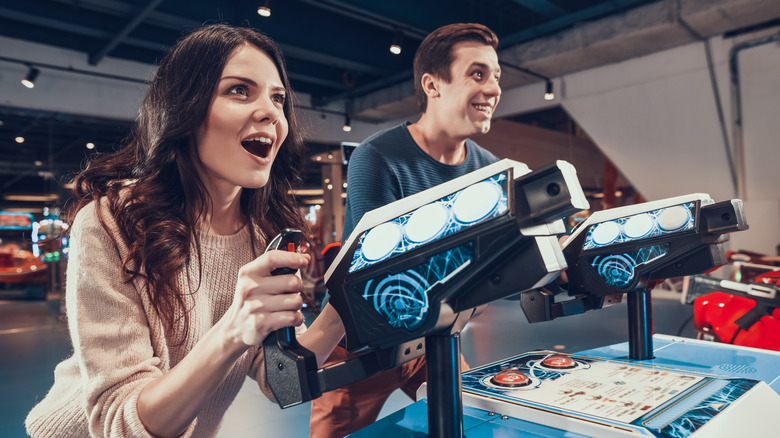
x: 70, y: 92
x: 655, y: 117
x: 759, y: 85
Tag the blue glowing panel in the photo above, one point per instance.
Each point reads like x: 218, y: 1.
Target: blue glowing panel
x: 640, y: 226
x: 402, y: 298
x: 619, y: 269
x: 463, y: 209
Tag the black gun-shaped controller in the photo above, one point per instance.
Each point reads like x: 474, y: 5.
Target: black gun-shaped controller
x: 281, y: 348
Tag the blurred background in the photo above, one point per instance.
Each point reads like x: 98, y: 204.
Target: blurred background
x: 648, y: 99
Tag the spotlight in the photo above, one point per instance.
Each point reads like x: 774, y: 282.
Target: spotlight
x: 32, y: 75
x: 19, y: 139
x: 548, y: 91
x: 395, y: 47
x: 265, y: 9
x: 347, y: 125
x: 90, y: 145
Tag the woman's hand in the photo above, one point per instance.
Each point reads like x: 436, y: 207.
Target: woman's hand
x: 264, y: 302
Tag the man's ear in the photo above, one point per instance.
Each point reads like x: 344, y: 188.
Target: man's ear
x: 430, y: 85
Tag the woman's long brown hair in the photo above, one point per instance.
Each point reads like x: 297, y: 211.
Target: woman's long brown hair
x: 159, y: 212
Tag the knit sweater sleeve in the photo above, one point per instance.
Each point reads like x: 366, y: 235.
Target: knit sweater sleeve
x: 110, y: 329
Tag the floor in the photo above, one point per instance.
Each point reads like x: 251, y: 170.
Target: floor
x: 33, y: 340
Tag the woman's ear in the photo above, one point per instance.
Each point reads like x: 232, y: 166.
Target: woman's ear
x: 430, y: 85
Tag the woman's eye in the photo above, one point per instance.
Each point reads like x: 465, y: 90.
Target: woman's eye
x: 240, y: 90
x: 279, y: 98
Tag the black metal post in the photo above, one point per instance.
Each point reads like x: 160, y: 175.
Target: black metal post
x: 445, y: 402
x: 640, y: 325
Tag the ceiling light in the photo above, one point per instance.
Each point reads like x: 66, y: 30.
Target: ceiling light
x: 395, y: 47
x: 548, y: 91
x: 347, y: 125
x: 265, y: 9
x: 19, y: 139
x: 32, y: 75
x: 90, y: 145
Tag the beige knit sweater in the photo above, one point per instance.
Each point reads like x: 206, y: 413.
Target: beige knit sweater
x: 119, y: 343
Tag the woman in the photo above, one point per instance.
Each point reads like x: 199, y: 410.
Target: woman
x: 168, y: 295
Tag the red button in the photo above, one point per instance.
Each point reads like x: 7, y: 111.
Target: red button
x: 559, y: 361
x: 510, y: 378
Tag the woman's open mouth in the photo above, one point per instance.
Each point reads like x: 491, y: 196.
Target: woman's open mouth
x: 259, y: 146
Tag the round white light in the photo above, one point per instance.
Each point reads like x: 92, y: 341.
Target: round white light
x: 638, y: 226
x: 673, y: 218
x: 476, y: 202
x: 426, y: 222
x: 605, y: 233
x: 381, y: 241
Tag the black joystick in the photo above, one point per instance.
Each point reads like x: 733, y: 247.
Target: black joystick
x: 281, y: 348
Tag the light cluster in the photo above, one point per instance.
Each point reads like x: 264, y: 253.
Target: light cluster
x: 462, y: 209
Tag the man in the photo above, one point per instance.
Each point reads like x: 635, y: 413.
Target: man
x: 456, y: 75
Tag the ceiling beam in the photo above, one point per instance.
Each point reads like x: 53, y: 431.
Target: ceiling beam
x: 566, y: 20
x: 98, y: 55
x: 62, y: 26
x: 349, y: 10
x: 544, y: 8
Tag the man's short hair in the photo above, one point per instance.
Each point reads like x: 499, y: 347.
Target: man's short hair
x: 434, y: 56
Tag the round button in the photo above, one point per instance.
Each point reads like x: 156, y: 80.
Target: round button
x: 673, y: 218
x: 476, y: 202
x: 605, y: 233
x: 638, y: 226
x: 559, y: 361
x: 426, y: 222
x: 381, y: 241
x: 510, y: 378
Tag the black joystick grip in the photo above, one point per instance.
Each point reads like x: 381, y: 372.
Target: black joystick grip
x: 287, y: 240
x: 288, y: 365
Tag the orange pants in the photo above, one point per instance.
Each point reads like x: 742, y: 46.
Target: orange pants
x: 345, y: 410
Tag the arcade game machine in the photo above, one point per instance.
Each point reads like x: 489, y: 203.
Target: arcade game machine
x: 50, y: 243
x: 410, y: 275
x: 22, y: 273
x: 743, y: 311
x: 674, y: 389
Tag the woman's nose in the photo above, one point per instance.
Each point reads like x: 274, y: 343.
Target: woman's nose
x: 266, y: 110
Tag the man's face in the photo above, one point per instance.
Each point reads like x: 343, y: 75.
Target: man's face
x: 466, y: 104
